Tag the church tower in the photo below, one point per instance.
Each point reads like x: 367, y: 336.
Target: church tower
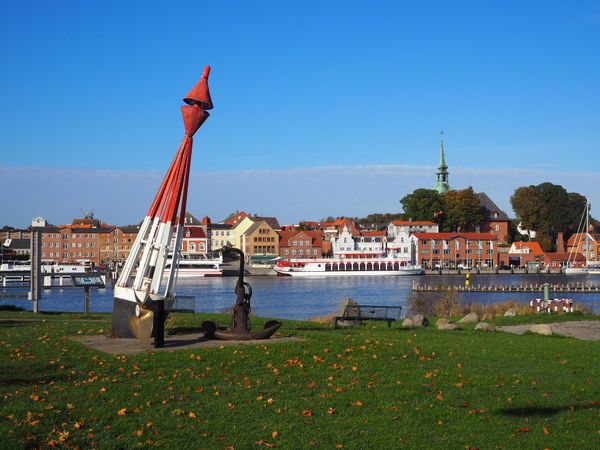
x: 442, y: 185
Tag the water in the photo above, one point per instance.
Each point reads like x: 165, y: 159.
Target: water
x: 302, y: 298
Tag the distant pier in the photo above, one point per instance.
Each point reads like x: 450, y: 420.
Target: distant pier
x: 573, y: 288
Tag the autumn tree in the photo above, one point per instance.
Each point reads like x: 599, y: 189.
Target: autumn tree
x: 422, y: 204
x: 462, y: 210
x: 548, y: 209
x: 529, y: 206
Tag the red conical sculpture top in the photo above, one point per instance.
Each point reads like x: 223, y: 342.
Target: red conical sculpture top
x: 199, y: 95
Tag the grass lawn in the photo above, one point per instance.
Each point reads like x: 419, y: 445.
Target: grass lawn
x: 362, y: 387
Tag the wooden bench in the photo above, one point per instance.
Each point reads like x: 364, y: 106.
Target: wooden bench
x: 358, y: 313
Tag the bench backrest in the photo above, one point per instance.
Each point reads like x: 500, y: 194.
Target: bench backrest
x: 373, y: 312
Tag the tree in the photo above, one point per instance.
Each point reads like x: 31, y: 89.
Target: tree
x: 463, y: 211
x: 529, y: 206
x: 548, y: 209
x: 422, y: 204
x: 377, y: 218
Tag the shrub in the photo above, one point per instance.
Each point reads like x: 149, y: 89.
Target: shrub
x: 443, y: 304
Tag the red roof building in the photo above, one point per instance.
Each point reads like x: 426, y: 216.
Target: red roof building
x: 456, y: 250
x: 300, y: 244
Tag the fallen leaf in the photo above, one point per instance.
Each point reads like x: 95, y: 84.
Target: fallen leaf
x: 546, y: 432
x: 122, y: 411
x: 307, y: 413
x: 266, y: 444
x: 274, y: 434
x: 523, y: 430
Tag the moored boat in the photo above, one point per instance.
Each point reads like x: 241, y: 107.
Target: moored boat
x: 196, y: 267
x: 346, y: 267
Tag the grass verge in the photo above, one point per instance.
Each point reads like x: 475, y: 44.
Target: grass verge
x: 361, y: 387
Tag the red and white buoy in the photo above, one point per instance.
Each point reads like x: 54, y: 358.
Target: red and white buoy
x: 140, y: 292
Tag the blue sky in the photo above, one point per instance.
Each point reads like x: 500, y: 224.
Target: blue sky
x: 341, y: 100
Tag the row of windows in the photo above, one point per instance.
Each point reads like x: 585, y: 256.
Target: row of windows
x: 264, y: 239
x: 468, y: 251
x: 66, y: 255
x: 294, y: 243
x: 264, y: 249
x: 123, y: 247
x: 66, y: 244
x: 220, y: 233
x: 446, y: 243
x: 301, y: 252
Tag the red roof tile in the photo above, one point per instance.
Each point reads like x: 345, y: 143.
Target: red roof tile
x: 533, y: 246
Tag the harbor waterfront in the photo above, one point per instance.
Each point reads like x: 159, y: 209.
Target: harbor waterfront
x: 303, y: 298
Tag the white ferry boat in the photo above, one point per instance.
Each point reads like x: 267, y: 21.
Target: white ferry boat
x: 196, y: 267
x: 346, y: 267
x: 47, y: 267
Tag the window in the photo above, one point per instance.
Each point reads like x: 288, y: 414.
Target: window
x: 202, y: 247
x: 294, y: 243
x: 293, y: 251
x: 192, y: 247
x: 497, y: 227
x: 73, y: 245
x: 286, y: 252
x: 301, y: 252
x: 306, y: 242
x: 315, y: 252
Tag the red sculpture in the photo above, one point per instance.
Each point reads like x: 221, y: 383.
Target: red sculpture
x: 140, y: 292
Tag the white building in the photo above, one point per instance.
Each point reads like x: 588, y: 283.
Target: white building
x: 367, y: 243
x: 401, y: 243
x: 397, y: 227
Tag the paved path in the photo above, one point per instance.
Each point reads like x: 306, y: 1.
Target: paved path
x: 583, y: 329
x: 176, y: 342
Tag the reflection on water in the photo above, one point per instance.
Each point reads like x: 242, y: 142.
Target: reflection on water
x: 301, y: 298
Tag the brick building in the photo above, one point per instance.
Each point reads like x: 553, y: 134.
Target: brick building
x: 497, y: 223
x: 455, y: 250
x: 300, y: 244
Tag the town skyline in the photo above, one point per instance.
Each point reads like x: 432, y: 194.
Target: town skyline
x: 98, y: 190
x: 340, y: 102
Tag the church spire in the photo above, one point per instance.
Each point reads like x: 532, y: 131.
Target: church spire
x: 442, y: 158
x: 442, y: 185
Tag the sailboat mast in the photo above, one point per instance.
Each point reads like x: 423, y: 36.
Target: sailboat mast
x: 587, y: 230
